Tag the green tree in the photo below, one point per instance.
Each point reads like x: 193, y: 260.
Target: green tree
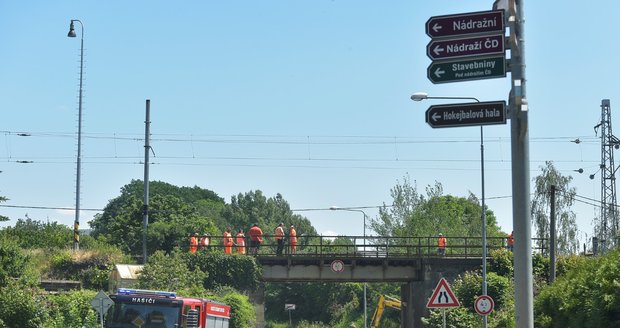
x: 253, y: 207
x: 2, y: 217
x: 37, y: 234
x: 566, y: 227
x: 320, y: 302
x: 392, y: 219
x: 412, y: 214
x: 587, y: 295
x: 174, y: 213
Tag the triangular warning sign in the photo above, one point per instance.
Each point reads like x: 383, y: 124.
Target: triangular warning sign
x: 443, y: 297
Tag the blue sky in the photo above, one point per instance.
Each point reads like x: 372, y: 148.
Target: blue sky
x: 309, y: 99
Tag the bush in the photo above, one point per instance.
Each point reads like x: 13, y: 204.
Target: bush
x: 71, y: 310
x: 238, y: 271
x: 20, y: 306
x: 469, y: 287
x: 91, y: 267
x: 170, y: 272
x: 586, y: 296
x: 242, y: 313
x: 502, y: 262
x: 14, y: 264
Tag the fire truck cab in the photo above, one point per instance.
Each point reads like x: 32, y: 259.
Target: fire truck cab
x: 136, y: 308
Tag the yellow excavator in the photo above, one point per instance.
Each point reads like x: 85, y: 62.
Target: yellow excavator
x: 384, y: 301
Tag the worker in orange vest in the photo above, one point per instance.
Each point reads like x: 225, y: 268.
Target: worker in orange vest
x: 292, y: 237
x: 228, y: 241
x: 279, y: 233
x: 510, y: 241
x: 204, y: 242
x: 256, y: 238
x: 441, y: 245
x: 240, y: 242
x: 193, y: 243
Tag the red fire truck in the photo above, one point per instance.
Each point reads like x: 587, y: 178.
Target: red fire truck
x: 136, y: 308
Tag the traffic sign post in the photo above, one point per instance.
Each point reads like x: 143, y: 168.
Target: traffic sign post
x: 467, y: 23
x: 443, y: 297
x: 467, y: 114
x: 484, y: 305
x: 289, y: 308
x: 101, y: 303
x: 465, y: 47
x: 467, y: 70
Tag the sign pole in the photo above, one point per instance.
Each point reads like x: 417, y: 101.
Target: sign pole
x: 101, y: 312
x: 519, y: 135
x: 443, y: 312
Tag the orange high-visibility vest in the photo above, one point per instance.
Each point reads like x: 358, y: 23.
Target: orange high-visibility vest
x: 240, y: 243
x: 292, y: 236
x: 193, y: 244
x: 442, y: 242
x: 228, y: 240
x: 279, y: 233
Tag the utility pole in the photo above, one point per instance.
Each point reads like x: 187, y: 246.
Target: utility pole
x: 147, y: 148
x: 519, y: 135
x: 552, y: 242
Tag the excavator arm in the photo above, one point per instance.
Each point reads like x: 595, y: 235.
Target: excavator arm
x: 381, y: 304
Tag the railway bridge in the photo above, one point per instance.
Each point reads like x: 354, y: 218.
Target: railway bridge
x: 411, y: 261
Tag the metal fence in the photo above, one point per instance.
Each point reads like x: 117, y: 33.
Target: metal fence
x: 377, y: 247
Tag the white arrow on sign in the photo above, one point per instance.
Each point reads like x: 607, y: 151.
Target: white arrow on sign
x: 436, y: 27
x: 435, y: 117
x: 439, y: 72
x: 438, y: 50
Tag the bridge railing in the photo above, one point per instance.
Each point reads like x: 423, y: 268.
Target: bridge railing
x: 378, y: 247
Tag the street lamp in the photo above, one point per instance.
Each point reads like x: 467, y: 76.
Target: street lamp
x: 419, y: 96
x: 336, y: 208
x: 76, y: 224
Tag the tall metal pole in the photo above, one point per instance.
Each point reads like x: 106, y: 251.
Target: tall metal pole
x: 484, y: 225
x: 552, y: 242
x: 76, y: 223
x: 524, y: 303
x: 422, y: 96
x: 147, y: 148
x: 336, y: 208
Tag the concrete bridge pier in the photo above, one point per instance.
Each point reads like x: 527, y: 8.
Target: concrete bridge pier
x: 257, y: 298
x: 414, y: 296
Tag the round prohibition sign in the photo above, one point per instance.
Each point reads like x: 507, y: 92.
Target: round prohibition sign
x: 484, y: 305
x: 337, y: 266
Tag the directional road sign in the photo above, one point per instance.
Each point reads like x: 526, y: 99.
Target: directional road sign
x: 467, y: 114
x: 443, y: 297
x: 466, y: 23
x: 466, y: 47
x: 467, y: 69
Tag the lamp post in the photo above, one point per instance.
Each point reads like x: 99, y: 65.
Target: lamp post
x: 419, y: 96
x: 76, y: 224
x: 336, y: 208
